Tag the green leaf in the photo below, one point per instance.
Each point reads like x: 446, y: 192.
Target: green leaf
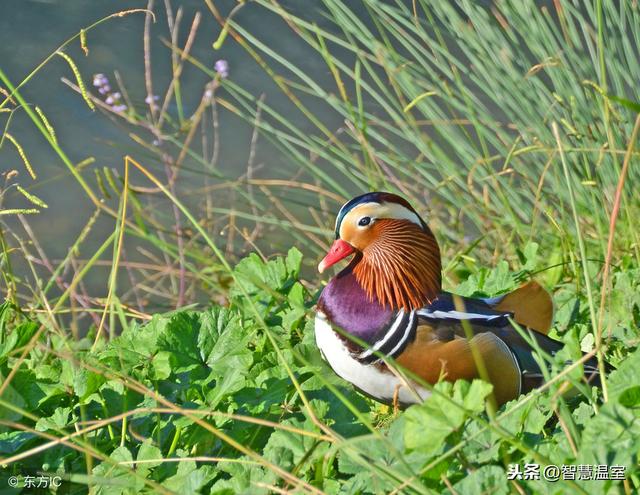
x: 151, y: 457
x: 190, y: 479
x: 221, y: 334
x: 18, y: 337
x: 224, y: 346
x: 583, y: 413
x: 555, y: 266
x: 611, y: 436
x: 488, y: 283
x: 180, y: 339
x: 13, y: 441
x: 49, y: 372
x: 474, y: 394
x: 429, y: 424
x: 586, y: 344
x: 293, y: 262
x: 86, y: 382
x: 296, y: 295
x: 57, y: 421
x: 628, y: 373
x: 630, y: 397
x: 161, y: 366
x: 10, y: 396
x: 245, y: 477
x: 486, y: 479
x: 34, y: 392
x: 115, y: 478
x: 374, y: 453
x: 530, y: 257
x: 287, y: 449
x: 264, y: 281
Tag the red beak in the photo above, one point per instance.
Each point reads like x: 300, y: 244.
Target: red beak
x: 339, y: 251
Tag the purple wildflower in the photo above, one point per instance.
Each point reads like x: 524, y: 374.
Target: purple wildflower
x: 112, y: 99
x: 100, y: 80
x: 222, y: 68
x: 150, y: 99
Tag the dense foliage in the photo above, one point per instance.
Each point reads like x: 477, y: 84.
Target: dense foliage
x: 237, y: 399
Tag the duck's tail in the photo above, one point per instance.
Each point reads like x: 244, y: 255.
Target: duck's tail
x: 531, y: 305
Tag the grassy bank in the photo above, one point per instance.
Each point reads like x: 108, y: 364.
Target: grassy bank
x: 192, y: 368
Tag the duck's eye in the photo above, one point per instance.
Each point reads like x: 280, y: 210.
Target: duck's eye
x: 364, y: 221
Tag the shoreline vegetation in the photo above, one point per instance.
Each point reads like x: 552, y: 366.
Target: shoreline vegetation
x: 173, y: 351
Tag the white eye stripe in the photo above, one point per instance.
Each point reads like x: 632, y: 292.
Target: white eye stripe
x: 393, y: 211
x: 399, y: 212
x: 378, y: 211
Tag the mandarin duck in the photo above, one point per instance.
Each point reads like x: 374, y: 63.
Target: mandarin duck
x: 389, y: 302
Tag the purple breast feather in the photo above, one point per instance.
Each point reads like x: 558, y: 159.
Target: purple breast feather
x: 347, y: 306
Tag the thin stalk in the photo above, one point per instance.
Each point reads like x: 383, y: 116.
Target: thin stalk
x: 584, y: 262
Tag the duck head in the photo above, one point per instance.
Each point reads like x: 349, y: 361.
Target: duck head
x: 396, y: 257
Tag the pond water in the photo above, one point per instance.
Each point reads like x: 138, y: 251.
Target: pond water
x: 32, y: 30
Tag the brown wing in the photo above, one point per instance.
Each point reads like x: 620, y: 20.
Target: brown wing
x: 437, y: 352
x: 531, y: 306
